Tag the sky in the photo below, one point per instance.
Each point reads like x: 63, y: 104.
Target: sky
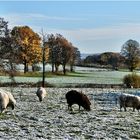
x: 91, y: 26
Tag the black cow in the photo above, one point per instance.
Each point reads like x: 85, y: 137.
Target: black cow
x: 75, y: 97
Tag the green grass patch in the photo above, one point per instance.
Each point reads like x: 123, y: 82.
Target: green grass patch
x: 50, y: 74
x: 38, y: 74
x: 2, y: 116
x: 76, y: 74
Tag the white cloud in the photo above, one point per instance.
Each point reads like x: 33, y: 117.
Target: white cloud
x: 101, y: 39
x: 18, y: 18
x: 79, y: 34
x: 101, y: 33
x: 80, y: 37
x: 98, y: 40
x: 44, y: 17
x: 31, y: 19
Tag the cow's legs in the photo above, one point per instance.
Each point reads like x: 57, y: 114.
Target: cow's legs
x: 124, y: 108
x: 120, y: 108
x: 70, y: 107
x: 79, y: 107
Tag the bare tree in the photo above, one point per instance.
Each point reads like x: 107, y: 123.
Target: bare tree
x: 45, y: 54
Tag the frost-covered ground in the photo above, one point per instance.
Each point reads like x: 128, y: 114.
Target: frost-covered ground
x: 51, y: 119
x: 94, y: 76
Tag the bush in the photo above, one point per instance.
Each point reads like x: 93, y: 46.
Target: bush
x: 132, y: 80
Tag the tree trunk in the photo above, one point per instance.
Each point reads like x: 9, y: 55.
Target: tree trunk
x: 25, y: 66
x: 56, y: 68
x: 64, y: 69
x: 71, y: 68
x: 43, y: 73
x: 52, y: 68
x: 33, y: 69
x: 131, y: 69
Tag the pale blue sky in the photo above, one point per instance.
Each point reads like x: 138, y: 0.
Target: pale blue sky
x: 92, y: 26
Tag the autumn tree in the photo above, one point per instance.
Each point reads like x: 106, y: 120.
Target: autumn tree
x: 112, y: 59
x: 28, y: 44
x: 62, y: 52
x: 91, y: 59
x: 52, y: 44
x: 116, y: 60
x: 108, y: 59
x: 66, y: 52
x: 55, y: 51
x: 131, y: 51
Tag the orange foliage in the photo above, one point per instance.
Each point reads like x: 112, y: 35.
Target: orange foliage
x: 29, y: 43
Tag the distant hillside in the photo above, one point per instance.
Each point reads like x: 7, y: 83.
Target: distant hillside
x: 84, y: 55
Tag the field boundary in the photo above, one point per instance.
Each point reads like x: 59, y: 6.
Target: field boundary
x: 79, y: 85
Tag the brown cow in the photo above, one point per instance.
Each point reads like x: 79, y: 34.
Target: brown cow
x: 75, y: 97
x: 127, y: 100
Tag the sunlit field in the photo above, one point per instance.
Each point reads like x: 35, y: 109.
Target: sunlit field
x: 81, y: 76
x: 51, y: 118
x: 48, y: 48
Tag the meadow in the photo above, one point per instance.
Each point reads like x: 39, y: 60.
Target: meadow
x: 51, y: 119
x: 80, y: 76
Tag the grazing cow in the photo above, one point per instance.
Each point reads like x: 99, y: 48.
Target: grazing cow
x: 41, y: 93
x: 126, y: 100
x: 6, y: 100
x: 75, y: 97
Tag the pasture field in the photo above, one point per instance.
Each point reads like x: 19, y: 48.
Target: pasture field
x: 51, y: 119
x: 81, y: 76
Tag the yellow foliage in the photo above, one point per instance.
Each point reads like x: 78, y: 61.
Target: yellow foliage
x: 30, y: 44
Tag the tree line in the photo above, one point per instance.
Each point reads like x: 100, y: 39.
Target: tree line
x: 128, y: 57
x: 21, y: 45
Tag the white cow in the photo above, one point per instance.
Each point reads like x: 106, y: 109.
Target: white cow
x: 6, y: 99
x: 127, y: 100
x: 41, y: 93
